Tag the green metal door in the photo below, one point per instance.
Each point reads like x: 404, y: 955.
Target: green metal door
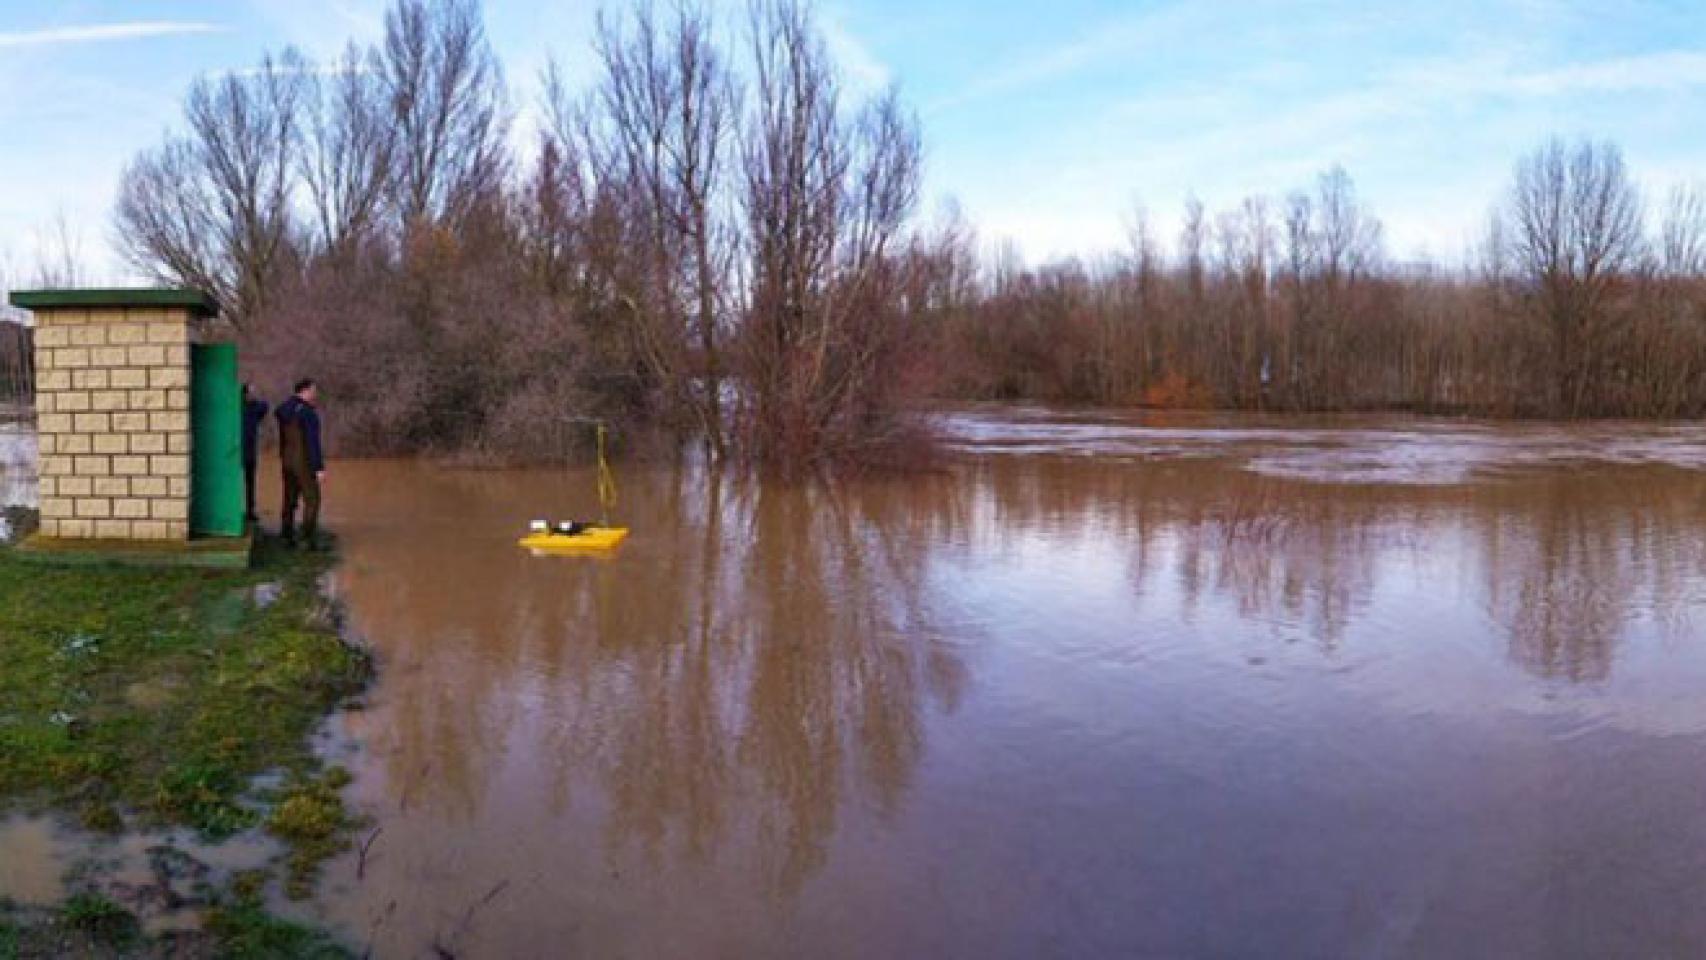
x: 216, y: 442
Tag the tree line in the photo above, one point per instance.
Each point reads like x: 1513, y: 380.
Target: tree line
x: 1579, y: 303
x: 717, y: 240
x: 711, y: 240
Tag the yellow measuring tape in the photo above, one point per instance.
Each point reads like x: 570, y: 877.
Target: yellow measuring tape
x: 606, y: 480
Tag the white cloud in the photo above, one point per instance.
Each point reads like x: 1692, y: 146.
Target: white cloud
x: 321, y: 28
x: 325, y: 69
x: 863, y: 70
x: 104, y: 33
x: 1667, y: 70
x: 365, y: 22
x: 1105, y: 40
x: 1241, y: 134
x: 1264, y: 137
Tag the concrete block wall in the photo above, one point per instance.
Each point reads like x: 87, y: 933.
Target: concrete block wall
x: 113, y: 419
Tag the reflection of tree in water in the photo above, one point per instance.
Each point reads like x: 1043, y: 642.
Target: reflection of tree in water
x: 1301, y: 554
x: 756, y: 670
x: 1282, y: 551
x: 1571, y: 562
x: 844, y: 655
x: 761, y: 657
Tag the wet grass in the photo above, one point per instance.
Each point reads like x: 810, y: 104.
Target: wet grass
x: 153, y: 697
x: 311, y: 818
x: 242, y: 929
x: 84, y: 926
x: 136, y: 698
x: 94, y: 927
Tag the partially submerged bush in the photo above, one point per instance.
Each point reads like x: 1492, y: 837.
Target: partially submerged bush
x: 312, y: 819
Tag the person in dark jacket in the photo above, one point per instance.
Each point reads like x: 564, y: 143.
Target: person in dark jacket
x: 304, y: 464
x: 254, y: 411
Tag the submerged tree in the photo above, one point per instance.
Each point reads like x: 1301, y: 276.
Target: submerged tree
x: 660, y: 138
x: 825, y: 198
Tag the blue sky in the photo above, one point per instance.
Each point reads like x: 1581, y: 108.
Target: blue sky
x: 1049, y: 122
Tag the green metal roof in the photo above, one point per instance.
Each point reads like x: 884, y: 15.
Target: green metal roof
x: 195, y: 301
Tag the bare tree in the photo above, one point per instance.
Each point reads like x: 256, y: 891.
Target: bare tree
x: 555, y: 205
x: 666, y: 102
x: 824, y: 199
x: 794, y: 162
x: 349, y: 150
x: 1349, y: 236
x: 735, y: 262
x: 213, y: 209
x: 1682, y: 236
x: 1577, y: 226
x: 1332, y: 247
x: 59, y: 254
x: 165, y: 221
x: 447, y: 104
x: 17, y: 356
x: 1146, y: 259
x: 1193, y: 237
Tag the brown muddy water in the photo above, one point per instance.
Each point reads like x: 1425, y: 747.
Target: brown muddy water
x: 1101, y: 686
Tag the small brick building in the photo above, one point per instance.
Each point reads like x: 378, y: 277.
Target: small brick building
x: 120, y: 388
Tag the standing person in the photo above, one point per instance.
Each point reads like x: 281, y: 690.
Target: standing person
x: 304, y: 464
x: 254, y: 411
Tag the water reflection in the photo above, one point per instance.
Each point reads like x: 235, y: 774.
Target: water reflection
x: 983, y: 711
x: 1574, y: 564
x: 1161, y: 705
x: 17, y: 463
x: 1568, y: 563
x: 759, y: 659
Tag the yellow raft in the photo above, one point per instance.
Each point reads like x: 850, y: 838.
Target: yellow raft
x: 588, y: 539
x: 544, y: 536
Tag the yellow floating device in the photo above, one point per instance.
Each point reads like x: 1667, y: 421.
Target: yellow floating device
x: 588, y: 538
x: 547, y: 537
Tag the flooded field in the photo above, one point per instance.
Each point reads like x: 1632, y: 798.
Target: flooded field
x: 1115, y: 686
x: 17, y: 468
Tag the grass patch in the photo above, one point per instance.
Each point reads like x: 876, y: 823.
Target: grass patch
x: 87, y: 925
x: 140, y: 698
x: 311, y: 818
x: 101, y: 921
x: 243, y: 930
x: 157, y: 695
x: 93, y: 927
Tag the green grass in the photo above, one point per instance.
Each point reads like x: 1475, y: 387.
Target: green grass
x: 135, y: 698
x: 101, y: 921
x: 87, y: 925
x: 91, y: 926
x: 310, y: 817
x: 242, y: 930
x: 153, y: 697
